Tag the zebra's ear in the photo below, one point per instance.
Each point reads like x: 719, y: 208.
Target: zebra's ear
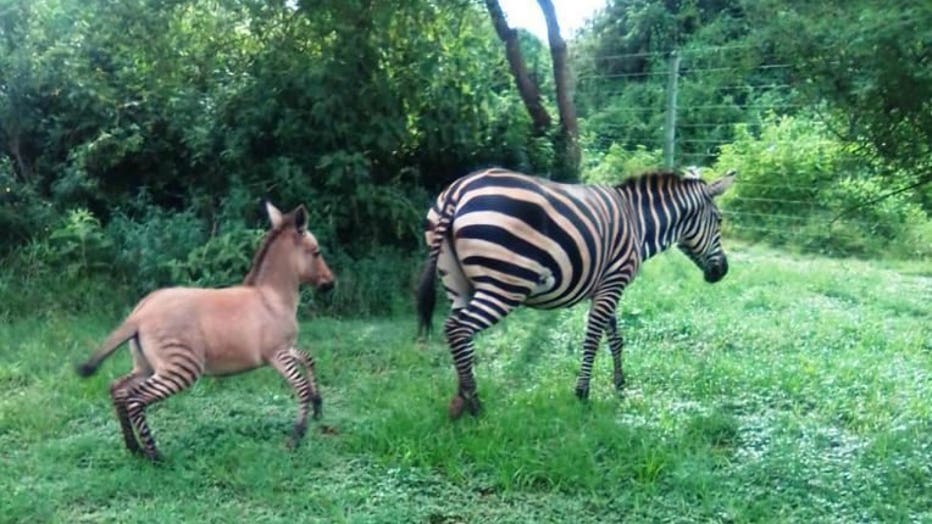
x: 721, y: 185
x: 275, y: 216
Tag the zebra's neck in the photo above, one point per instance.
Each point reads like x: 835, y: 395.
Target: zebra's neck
x: 662, y: 206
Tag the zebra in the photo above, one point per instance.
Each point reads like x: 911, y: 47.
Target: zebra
x: 502, y: 239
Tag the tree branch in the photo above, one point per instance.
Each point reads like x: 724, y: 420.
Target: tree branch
x: 561, y: 79
x: 530, y: 94
x: 923, y: 180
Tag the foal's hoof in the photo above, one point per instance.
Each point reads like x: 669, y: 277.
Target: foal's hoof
x: 619, y: 382
x: 134, y: 448
x: 293, y: 443
x: 456, y: 407
x: 156, y: 458
x: 300, y: 429
x: 582, y: 393
x: 316, y: 404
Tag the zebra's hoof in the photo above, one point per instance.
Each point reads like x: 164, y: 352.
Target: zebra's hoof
x: 316, y: 404
x: 582, y: 393
x: 156, y: 458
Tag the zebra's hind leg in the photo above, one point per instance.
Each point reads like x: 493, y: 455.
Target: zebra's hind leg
x: 151, y: 390
x: 601, y: 312
x: 119, y: 390
x: 615, y: 344
x: 482, y: 311
x: 288, y: 362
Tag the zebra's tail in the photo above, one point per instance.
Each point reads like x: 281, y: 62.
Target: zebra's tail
x: 426, y: 297
x: 126, y: 331
x: 426, y: 294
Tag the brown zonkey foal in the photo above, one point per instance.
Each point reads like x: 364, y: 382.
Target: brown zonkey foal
x: 178, y: 334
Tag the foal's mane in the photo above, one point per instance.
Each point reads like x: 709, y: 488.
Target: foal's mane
x: 263, y: 251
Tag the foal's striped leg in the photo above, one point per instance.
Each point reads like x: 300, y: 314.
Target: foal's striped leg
x: 615, y: 344
x: 600, y: 314
x: 183, y: 372
x: 119, y: 390
x: 288, y: 362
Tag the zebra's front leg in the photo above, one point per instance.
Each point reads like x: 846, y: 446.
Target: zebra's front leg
x: 616, y: 344
x: 601, y: 312
x: 287, y: 362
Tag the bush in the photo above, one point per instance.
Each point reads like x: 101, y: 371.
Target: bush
x: 617, y: 164
x: 894, y: 224
x: 222, y: 261
x: 797, y: 184
x: 23, y: 212
x: 151, y: 246
x: 78, y: 246
x: 380, y: 284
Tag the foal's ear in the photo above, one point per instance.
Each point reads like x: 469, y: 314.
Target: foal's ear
x: 275, y: 216
x: 300, y: 218
x: 722, y: 184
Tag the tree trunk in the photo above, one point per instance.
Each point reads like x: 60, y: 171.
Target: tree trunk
x: 561, y: 76
x: 530, y: 94
x: 22, y: 166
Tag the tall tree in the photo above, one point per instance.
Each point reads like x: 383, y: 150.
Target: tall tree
x: 568, y: 155
x: 527, y: 88
x: 569, y: 128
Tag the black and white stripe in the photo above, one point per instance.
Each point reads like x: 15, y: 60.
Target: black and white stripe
x: 501, y: 239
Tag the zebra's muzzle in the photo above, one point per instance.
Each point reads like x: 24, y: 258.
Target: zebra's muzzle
x: 716, y: 270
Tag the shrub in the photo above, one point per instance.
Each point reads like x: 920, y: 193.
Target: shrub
x: 797, y: 184
x: 78, y: 246
x: 149, y: 247
x: 382, y: 283
x: 221, y: 261
x: 23, y: 213
x: 618, y: 163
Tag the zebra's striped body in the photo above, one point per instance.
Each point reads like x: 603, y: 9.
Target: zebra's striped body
x: 501, y: 239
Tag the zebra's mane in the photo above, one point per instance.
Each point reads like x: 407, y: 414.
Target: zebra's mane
x: 652, y: 175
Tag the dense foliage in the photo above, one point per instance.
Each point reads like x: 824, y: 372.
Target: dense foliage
x: 137, y: 138
x: 158, y: 125
x: 824, y: 108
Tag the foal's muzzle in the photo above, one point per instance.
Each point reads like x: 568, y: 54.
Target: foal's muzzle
x: 716, y: 270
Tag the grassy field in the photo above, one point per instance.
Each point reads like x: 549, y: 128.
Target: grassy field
x: 796, y: 390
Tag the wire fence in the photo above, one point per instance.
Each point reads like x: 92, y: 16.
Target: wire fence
x: 689, y: 104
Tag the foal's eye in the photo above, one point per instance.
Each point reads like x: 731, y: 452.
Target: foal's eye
x: 315, y: 253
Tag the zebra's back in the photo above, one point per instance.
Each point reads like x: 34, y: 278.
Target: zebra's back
x: 530, y: 240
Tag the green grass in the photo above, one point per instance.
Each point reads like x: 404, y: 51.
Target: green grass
x: 797, y: 389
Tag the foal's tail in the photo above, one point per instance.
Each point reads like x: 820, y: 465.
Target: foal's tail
x: 126, y: 331
x: 426, y: 295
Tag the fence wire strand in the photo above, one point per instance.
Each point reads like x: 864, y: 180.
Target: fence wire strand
x: 762, y: 212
